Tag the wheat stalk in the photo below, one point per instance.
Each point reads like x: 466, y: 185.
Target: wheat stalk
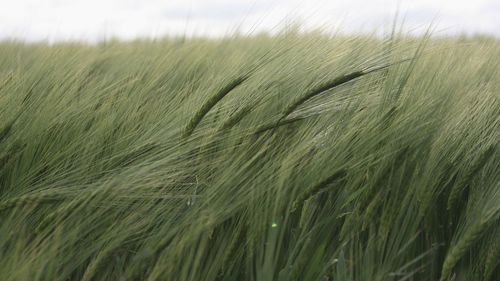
x: 463, y: 245
x: 465, y: 180
x: 211, y: 102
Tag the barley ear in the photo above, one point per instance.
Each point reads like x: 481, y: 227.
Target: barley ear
x: 457, y: 252
x: 208, y: 105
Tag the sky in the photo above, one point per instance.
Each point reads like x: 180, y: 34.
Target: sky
x: 94, y: 20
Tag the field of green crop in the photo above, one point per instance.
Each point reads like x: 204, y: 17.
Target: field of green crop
x: 297, y: 156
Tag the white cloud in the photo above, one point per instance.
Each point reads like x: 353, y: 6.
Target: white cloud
x: 96, y: 19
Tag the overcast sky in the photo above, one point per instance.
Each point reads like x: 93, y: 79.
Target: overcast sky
x: 98, y: 19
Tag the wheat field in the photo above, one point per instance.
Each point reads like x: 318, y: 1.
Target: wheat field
x: 297, y: 156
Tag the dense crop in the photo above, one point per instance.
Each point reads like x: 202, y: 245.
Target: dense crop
x: 292, y: 157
